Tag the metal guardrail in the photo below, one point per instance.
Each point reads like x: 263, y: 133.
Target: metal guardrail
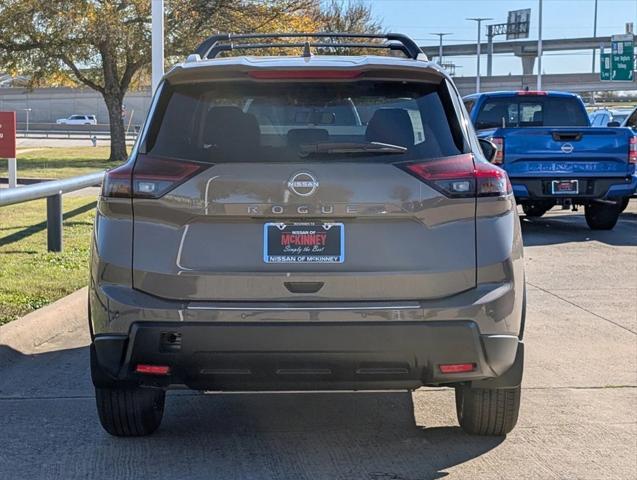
x: 56, y: 130
x: 52, y: 191
x: 69, y: 134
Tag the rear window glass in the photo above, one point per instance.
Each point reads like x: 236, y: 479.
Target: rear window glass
x: 531, y: 111
x: 632, y: 121
x: 251, y: 121
x: 619, y: 117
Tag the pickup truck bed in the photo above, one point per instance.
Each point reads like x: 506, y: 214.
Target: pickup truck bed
x: 553, y: 164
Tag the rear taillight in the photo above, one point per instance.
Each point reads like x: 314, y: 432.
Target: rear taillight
x: 149, y: 177
x: 632, y: 150
x: 491, y: 181
x: 117, y: 182
x: 498, y: 159
x: 459, y: 176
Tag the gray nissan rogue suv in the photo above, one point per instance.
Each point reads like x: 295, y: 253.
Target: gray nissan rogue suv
x: 311, y: 222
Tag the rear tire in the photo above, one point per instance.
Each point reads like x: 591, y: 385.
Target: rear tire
x: 601, y: 216
x: 130, y: 412
x: 534, y: 211
x: 623, y: 204
x: 487, y: 411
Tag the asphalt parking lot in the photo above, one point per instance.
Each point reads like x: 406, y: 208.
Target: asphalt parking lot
x: 577, y: 420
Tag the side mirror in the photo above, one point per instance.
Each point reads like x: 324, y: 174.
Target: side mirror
x: 613, y: 124
x: 488, y: 149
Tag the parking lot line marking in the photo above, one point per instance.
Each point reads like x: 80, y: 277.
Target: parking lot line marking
x: 582, y: 308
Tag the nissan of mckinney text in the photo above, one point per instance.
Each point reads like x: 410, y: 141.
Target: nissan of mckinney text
x: 307, y: 222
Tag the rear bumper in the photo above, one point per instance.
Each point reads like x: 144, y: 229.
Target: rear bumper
x: 233, y: 356
x: 589, y: 188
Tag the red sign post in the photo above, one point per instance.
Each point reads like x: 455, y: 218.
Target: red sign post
x: 7, y: 134
x: 8, y: 143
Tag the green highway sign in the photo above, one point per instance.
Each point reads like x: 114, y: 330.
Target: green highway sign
x: 619, y: 64
x: 605, y: 66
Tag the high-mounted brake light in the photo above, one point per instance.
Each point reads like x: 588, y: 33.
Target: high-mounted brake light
x: 632, y: 150
x: 460, y: 176
x: 457, y: 367
x: 149, y: 177
x: 499, y: 153
x: 532, y: 92
x: 303, y: 74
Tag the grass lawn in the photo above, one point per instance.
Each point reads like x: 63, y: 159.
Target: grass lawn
x: 56, y: 162
x: 31, y: 277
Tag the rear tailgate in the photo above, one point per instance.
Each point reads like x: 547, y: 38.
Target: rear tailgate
x: 581, y: 152
x: 401, y: 238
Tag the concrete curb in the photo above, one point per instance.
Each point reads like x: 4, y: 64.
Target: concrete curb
x: 66, y: 315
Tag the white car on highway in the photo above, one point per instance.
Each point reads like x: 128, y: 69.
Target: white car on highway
x: 77, y: 120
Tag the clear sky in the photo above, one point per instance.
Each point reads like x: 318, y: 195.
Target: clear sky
x: 561, y: 19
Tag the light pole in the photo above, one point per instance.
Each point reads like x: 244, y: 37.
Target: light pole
x: 27, y: 110
x: 539, y: 49
x: 157, y: 41
x: 594, y: 34
x: 479, y: 20
x: 440, y: 47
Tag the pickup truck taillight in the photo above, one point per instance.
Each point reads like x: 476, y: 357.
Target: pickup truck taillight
x: 460, y: 176
x: 499, y: 154
x: 148, y: 177
x: 632, y: 150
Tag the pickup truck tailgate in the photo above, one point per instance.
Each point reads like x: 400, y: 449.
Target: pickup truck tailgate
x: 585, y: 152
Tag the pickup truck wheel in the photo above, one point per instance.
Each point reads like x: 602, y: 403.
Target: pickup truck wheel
x: 534, y: 211
x: 623, y: 203
x: 130, y: 412
x: 487, y: 411
x: 602, y: 216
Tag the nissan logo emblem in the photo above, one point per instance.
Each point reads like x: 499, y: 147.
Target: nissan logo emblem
x: 303, y: 184
x: 567, y: 148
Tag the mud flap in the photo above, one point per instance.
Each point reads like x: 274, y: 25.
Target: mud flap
x: 509, y: 379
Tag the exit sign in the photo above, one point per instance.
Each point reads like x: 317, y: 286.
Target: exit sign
x: 605, y: 66
x: 7, y: 134
x: 619, y: 64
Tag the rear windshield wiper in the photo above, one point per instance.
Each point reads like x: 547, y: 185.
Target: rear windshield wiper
x: 351, y: 147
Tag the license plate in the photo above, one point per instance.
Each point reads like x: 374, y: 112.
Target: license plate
x: 303, y: 242
x: 561, y: 187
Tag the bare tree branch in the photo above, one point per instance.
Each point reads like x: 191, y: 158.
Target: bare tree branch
x: 79, y: 75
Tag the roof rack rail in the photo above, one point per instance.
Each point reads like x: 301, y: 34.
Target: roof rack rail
x: 225, y: 42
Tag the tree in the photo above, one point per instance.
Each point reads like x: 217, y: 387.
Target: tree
x: 105, y: 44
x: 352, y: 17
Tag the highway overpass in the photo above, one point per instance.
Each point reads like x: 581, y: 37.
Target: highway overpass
x: 571, y: 82
x: 525, y: 49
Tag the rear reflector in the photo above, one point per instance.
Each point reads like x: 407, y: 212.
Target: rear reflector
x: 632, y: 150
x: 460, y: 176
x: 457, y: 367
x: 152, y: 369
x: 149, y: 177
x: 303, y: 74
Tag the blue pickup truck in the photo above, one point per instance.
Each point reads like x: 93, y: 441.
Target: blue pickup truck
x: 554, y: 157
